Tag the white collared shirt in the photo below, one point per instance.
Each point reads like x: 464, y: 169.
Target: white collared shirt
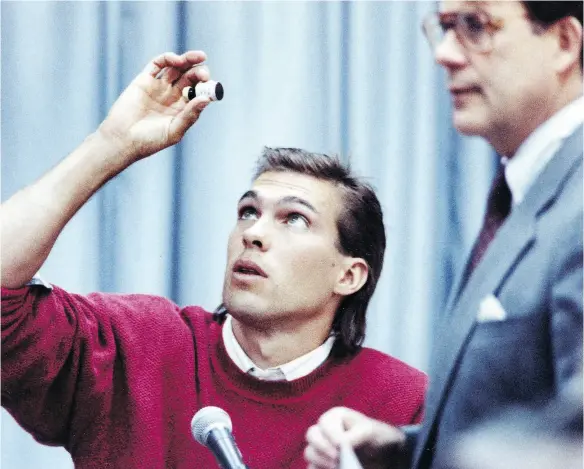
x: 295, y: 369
x: 537, y: 150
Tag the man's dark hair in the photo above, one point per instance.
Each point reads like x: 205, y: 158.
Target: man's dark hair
x: 547, y: 13
x: 361, y: 233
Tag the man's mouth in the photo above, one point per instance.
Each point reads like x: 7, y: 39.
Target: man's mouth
x: 461, y: 90
x: 461, y: 95
x: 247, y: 267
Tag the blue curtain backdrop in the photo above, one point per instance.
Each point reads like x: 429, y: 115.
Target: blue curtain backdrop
x: 354, y: 78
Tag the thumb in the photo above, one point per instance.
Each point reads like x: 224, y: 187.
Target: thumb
x: 359, y: 434
x: 356, y: 428
x: 374, y: 433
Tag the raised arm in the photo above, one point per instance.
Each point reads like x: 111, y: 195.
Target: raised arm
x: 150, y: 115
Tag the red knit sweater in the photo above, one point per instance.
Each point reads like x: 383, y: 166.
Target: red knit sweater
x: 116, y: 379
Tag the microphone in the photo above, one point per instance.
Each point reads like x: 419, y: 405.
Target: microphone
x: 211, y: 426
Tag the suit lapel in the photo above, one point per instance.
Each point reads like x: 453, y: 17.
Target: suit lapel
x: 514, y: 238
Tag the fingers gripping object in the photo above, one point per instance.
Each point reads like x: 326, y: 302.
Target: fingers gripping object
x: 212, y: 89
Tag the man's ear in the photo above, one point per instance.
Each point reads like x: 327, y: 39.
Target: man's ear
x: 569, y: 34
x: 352, y: 277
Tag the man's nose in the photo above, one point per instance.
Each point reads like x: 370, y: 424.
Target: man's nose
x: 257, y: 235
x: 449, y: 52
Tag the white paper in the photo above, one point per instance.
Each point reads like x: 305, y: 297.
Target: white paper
x: 348, y: 458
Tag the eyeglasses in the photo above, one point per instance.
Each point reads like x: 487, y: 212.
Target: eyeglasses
x: 474, y: 29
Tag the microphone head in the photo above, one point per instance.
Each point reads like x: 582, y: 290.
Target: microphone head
x: 206, y: 419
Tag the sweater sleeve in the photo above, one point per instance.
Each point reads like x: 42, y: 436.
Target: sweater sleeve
x: 64, y: 363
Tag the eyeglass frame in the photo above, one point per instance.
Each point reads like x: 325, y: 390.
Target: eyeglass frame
x: 490, y: 24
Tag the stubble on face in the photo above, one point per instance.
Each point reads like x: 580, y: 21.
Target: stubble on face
x: 293, y: 217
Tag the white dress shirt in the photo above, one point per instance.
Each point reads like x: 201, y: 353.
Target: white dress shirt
x: 295, y: 369
x: 537, y: 150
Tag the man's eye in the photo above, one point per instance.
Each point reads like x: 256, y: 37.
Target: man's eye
x: 297, y: 219
x: 447, y: 25
x: 247, y: 213
x: 472, y: 23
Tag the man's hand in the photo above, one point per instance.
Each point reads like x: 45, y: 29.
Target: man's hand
x: 375, y: 442
x: 151, y: 114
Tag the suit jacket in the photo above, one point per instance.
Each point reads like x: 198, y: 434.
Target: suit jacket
x: 512, y: 334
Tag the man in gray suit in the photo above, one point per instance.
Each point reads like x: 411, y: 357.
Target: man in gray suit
x: 512, y: 332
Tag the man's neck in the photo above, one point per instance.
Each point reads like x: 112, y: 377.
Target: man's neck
x: 275, y: 347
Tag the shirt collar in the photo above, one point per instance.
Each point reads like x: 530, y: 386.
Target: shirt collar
x: 539, y: 148
x: 295, y: 369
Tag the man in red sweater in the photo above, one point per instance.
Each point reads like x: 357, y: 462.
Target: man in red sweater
x: 116, y: 379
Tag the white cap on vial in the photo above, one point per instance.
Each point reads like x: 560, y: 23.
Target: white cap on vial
x: 212, y: 89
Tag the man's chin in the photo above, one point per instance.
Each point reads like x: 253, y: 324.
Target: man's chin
x: 244, y: 304
x: 466, y: 125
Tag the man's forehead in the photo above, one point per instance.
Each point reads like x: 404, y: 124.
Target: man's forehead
x: 283, y: 183
x: 489, y: 6
x: 285, y: 180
